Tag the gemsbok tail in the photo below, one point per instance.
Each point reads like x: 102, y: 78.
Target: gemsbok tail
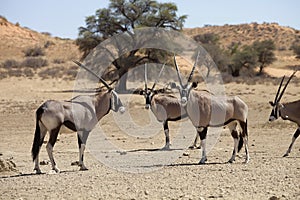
x: 242, y: 135
x: 37, y: 135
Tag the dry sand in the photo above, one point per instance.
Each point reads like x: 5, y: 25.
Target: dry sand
x: 268, y: 174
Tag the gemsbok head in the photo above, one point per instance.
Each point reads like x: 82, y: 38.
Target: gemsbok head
x: 80, y: 114
x: 287, y: 111
x: 207, y: 110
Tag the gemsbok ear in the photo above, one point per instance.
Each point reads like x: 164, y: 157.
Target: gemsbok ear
x: 194, y: 84
x: 142, y: 92
x: 271, y: 103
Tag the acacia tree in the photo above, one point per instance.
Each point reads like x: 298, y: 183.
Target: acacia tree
x: 296, y: 48
x: 244, y: 57
x: 124, y: 16
x: 265, y: 53
x: 210, y: 43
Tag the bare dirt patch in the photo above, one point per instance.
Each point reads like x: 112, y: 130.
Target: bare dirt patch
x: 267, y: 175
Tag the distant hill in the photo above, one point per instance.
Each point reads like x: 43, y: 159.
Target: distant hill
x: 247, y: 33
x: 59, y: 53
x: 16, y: 39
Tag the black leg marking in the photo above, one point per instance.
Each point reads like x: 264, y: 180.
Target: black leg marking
x: 53, y: 136
x: 79, y: 141
x: 202, y: 133
x: 166, y: 128
x: 70, y: 125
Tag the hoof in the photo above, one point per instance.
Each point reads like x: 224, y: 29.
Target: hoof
x: 202, y: 161
x: 231, y: 161
x: 83, y: 168
x: 37, y: 171
x: 193, y: 147
x: 285, y: 155
x: 167, y: 147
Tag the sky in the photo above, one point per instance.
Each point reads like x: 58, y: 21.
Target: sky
x: 62, y: 18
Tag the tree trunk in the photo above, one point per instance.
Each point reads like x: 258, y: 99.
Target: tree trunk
x: 261, y: 67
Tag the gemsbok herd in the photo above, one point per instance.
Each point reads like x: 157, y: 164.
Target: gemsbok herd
x: 204, y: 109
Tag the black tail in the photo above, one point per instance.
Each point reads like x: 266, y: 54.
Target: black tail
x: 37, y: 135
x: 243, y: 134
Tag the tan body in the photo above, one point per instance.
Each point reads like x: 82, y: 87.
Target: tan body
x: 205, y: 109
x: 167, y: 107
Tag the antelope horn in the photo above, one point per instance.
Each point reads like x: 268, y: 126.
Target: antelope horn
x: 286, y: 86
x: 145, y: 77
x: 278, y: 91
x: 158, y: 77
x: 178, y: 72
x: 93, y: 73
x: 193, y: 69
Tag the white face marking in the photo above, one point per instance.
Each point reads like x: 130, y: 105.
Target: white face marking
x: 272, y: 118
x: 122, y: 109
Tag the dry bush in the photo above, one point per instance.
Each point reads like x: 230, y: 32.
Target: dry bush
x: 53, y: 72
x: 34, y: 51
x: 34, y: 62
x: 10, y: 63
x: 58, y: 61
x: 48, y: 44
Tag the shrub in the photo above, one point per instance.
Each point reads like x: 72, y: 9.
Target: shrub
x: 34, y: 52
x: 55, y: 72
x: 58, y: 61
x: 48, y: 44
x: 296, y: 49
x: 10, y: 64
x: 34, y: 62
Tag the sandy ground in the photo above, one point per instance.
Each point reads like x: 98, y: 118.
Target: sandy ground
x: 268, y: 174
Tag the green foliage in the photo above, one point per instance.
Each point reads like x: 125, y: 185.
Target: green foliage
x: 34, y: 51
x: 265, y: 52
x: 209, y: 42
x: 296, y: 49
x: 207, y: 38
x: 246, y: 57
x: 33, y: 62
x: 10, y: 63
x: 126, y: 15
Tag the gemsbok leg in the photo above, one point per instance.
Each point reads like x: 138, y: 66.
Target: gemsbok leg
x: 40, y: 135
x: 52, y: 139
x: 202, y: 131
x: 245, y: 140
x: 235, y: 134
x: 166, y: 131
x: 82, y: 138
x: 296, y: 134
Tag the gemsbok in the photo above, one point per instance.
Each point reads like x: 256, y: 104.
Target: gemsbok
x: 165, y: 107
x: 287, y: 111
x: 205, y: 110
x: 80, y: 114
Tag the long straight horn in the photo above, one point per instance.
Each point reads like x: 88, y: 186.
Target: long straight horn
x: 192, y: 72
x: 145, y: 77
x: 156, y: 80
x: 178, y: 72
x: 278, y: 91
x: 285, y: 86
x: 93, y: 73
